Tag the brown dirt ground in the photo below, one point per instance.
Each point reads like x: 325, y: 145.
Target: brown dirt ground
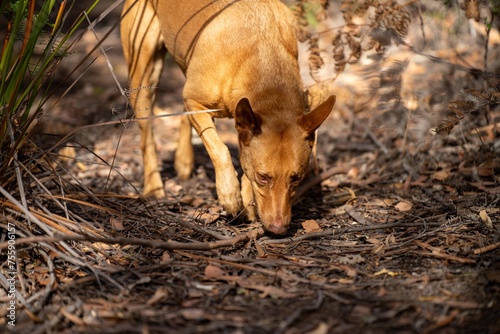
x: 403, y: 237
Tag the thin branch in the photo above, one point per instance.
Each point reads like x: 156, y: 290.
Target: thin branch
x: 168, y: 245
x: 487, y: 248
x: 124, y: 122
x: 337, y: 231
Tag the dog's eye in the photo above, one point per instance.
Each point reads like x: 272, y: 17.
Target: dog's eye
x: 295, y: 180
x: 262, y: 180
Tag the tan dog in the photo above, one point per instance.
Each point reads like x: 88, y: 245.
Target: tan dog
x: 239, y: 56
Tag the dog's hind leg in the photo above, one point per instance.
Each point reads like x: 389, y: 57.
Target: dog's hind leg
x: 184, y: 155
x: 144, y: 52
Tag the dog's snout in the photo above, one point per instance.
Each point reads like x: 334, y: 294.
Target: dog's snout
x: 276, y: 225
x: 277, y: 229
x: 275, y: 210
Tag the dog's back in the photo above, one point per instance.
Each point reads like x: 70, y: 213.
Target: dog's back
x: 232, y: 45
x: 229, y: 21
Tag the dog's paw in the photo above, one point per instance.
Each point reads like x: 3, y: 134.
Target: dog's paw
x: 250, y: 213
x: 184, y: 163
x: 183, y: 168
x: 153, y: 186
x: 228, y: 192
x: 154, y: 192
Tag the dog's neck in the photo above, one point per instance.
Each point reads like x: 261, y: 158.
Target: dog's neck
x: 276, y: 92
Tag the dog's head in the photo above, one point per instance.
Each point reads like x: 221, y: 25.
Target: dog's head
x: 274, y: 155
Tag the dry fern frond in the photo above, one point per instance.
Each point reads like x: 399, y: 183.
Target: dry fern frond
x: 302, y: 25
x: 488, y: 96
x: 355, y: 48
x: 390, y: 82
x: 308, y: 13
x: 346, y: 9
x: 315, y: 59
x: 385, y: 23
x: 473, y: 101
x: 324, y: 5
x: 339, y: 54
x: 471, y: 8
x: 346, y: 50
x: 391, y: 15
x: 385, y: 38
x: 350, y: 8
x: 354, y: 7
x: 445, y: 127
x: 461, y: 107
x: 389, y: 24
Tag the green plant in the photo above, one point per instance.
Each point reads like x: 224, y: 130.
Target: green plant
x: 25, y: 71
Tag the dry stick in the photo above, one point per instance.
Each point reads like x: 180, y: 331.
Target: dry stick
x: 331, y: 232
x: 356, y: 216
x: 40, y: 216
x: 69, y: 313
x: 486, y: 248
x: 73, y: 257
x: 446, y: 257
x: 486, y: 42
x: 436, y: 252
x: 90, y: 194
x: 17, y: 169
x: 208, y: 232
x: 169, y: 245
x: 447, y: 63
x: 407, y: 242
x: 200, y: 229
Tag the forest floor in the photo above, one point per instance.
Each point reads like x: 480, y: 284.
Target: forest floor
x: 399, y: 234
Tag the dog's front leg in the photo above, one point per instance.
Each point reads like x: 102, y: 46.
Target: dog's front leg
x: 226, y: 178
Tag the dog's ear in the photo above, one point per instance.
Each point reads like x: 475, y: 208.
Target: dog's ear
x: 247, y: 122
x: 312, y: 120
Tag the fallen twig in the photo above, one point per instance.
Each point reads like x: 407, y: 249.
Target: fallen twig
x: 202, y: 230
x: 486, y: 248
x: 356, y: 216
x: 446, y: 257
x: 169, y: 245
x: 339, y: 231
x: 436, y: 252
